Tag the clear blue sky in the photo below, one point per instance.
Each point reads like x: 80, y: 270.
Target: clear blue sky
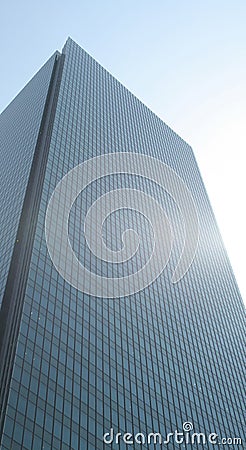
x: 185, y: 59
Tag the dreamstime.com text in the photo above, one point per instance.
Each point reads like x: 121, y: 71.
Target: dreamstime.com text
x: 186, y: 436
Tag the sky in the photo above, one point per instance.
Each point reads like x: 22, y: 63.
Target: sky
x: 186, y: 60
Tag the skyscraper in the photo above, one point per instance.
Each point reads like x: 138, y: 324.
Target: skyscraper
x: 120, y: 312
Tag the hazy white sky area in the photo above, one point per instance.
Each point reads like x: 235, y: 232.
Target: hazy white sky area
x: 186, y: 60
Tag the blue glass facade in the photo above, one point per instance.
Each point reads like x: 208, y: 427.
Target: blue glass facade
x: 149, y: 362
x: 19, y: 125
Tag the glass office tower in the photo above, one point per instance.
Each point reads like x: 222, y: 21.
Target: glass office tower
x: 153, y: 354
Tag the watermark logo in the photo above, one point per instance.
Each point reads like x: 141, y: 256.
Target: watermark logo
x: 187, y: 426
x: 76, y: 180
x: 184, y: 436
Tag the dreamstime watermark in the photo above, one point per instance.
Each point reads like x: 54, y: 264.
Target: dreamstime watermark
x: 76, y: 180
x: 186, y: 436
